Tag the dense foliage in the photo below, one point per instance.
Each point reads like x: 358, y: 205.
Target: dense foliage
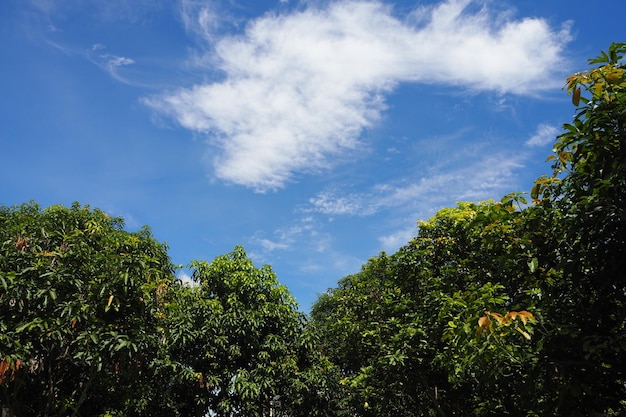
x: 78, y: 311
x: 241, y: 333
x: 511, y: 308
x: 504, y: 308
x: 94, y: 322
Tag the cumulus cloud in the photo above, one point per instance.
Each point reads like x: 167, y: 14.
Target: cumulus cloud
x: 544, y: 135
x: 299, y: 87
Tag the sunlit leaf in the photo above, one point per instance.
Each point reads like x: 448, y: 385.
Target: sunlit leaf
x: 484, y: 323
x: 534, y: 192
x: 525, y: 316
x: 525, y: 334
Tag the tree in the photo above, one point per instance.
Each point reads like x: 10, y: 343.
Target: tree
x: 94, y: 322
x: 241, y: 333
x: 503, y: 308
x: 585, y: 341
x: 379, y: 340
x: 404, y: 330
x: 80, y: 305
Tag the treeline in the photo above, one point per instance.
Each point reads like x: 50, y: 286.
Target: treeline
x: 510, y: 308
x: 93, y: 322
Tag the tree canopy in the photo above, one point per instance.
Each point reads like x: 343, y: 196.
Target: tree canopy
x: 514, y: 307
x: 78, y: 312
x: 94, y: 322
x: 502, y: 308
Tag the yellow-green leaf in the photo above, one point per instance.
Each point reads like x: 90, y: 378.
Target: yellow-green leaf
x: 525, y: 334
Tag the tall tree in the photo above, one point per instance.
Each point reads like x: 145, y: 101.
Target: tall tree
x: 403, y: 331
x: 94, y: 322
x: 241, y: 333
x: 79, y: 311
x: 586, y: 312
x: 503, y: 308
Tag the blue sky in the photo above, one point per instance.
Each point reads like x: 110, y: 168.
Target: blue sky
x: 314, y: 133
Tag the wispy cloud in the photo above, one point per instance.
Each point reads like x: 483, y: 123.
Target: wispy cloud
x: 109, y: 62
x: 352, y: 204
x: 271, y: 245
x: 472, y: 180
x: 201, y: 18
x: 309, y: 247
x: 110, y: 10
x: 286, y: 238
x: 299, y: 88
x: 97, y: 55
x: 473, y: 174
x: 398, y: 207
x: 544, y: 135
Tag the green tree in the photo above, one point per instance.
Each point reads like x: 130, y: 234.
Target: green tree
x: 94, y: 322
x: 241, y: 333
x: 503, y: 308
x: 585, y: 200
x: 374, y: 333
x: 405, y: 330
x: 79, y: 308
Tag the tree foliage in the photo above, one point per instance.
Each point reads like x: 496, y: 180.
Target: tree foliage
x: 243, y: 336
x: 412, y: 331
x: 587, y: 195
x: 79, y: 309
x: 504, y: 308
x: 94, y: 322
x: 511, y: 308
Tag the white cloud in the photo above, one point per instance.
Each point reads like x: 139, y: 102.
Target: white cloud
x: 473, y: 179
x: 398, y: 238
x: 201, y: 18
x: 544, y: 135
x: 353, y: 204
x: 112, y: 63
x: 108, y: 62
x: 185, y: 277
x: 300, y: 87
x: 287, y: 237
x: 270, y: 245
x: 284, y: 238
x: 118, y: 61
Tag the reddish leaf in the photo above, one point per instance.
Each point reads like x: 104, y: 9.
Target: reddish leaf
x: 576, y: 97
